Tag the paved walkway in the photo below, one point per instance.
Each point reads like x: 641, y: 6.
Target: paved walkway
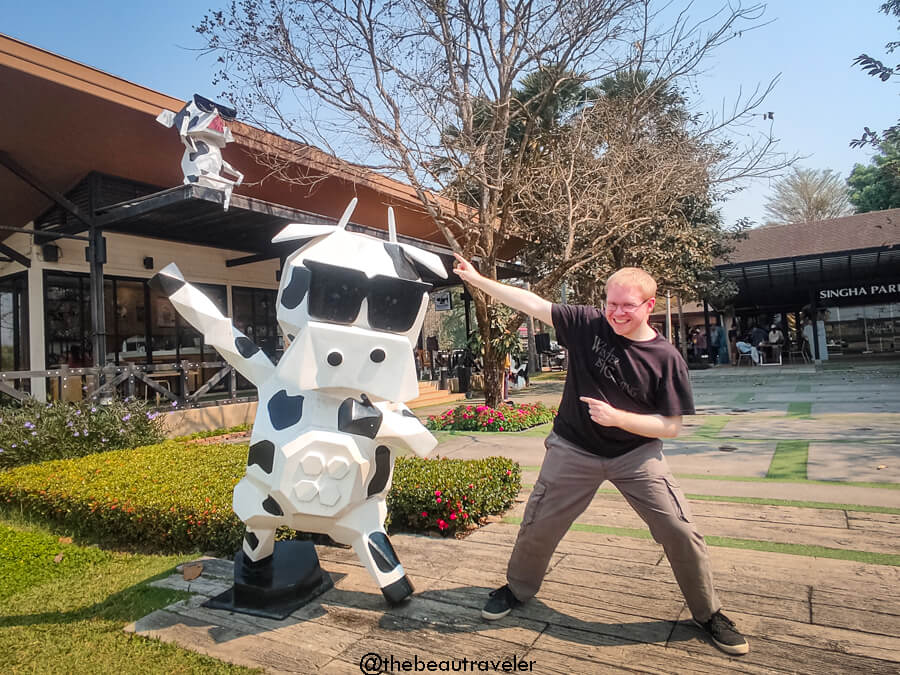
x: 609, y: 602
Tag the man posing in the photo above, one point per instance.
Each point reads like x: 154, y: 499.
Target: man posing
x: 626, y: 388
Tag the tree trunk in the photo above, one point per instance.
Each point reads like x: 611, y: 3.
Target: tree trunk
x: 493, y: 363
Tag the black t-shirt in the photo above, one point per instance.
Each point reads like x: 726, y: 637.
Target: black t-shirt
x: 642, y: 377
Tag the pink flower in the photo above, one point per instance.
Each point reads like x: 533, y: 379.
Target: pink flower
x: 441, y: 524
x: 438, y: 500
x: 424, y: 514
x: 471, y: 485
x: 509, y: 472
x: 452, y: 516
x: 437, y: 493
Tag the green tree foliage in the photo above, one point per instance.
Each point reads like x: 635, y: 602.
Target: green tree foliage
x: 807, y: 195
x: 877, y: 68
x: 468, y: 102
x: 876, y: 186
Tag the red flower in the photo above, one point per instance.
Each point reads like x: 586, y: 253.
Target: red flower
x: 437, y: 493
x: 424, y: 514
x: 442, y: 524
x: 438, y: 500
x: 452, y: 516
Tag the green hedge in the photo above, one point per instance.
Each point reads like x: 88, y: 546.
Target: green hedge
x: 482, y: 418
x: 177, y: 496
x: 36, y: 432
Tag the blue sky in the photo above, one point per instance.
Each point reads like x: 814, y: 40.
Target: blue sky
x: 820, y: 103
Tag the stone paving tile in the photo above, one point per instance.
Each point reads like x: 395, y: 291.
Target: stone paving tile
x: 854, y: 462
x: 602, y: 608
x: 743, y: 459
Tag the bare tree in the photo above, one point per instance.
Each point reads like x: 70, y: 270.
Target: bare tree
x: 383, y: 83
x: 807, y: 195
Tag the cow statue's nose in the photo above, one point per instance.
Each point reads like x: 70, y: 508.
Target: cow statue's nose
x: 377, y: 355
x: 334, y: 358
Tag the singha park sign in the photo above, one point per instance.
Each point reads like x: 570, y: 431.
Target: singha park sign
x: 862, y: 292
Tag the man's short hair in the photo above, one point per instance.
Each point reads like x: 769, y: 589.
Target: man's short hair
x: 633, y: 277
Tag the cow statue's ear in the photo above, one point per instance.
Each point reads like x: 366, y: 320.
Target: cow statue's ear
x: 426, y: 260
x: 423, y: 260
x: 295, y: 231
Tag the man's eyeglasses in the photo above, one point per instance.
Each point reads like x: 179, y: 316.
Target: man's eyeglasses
x: 628, y: 307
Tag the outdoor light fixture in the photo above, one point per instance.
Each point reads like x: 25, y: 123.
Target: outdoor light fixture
x: 148, y: 263
x: 50, y: 252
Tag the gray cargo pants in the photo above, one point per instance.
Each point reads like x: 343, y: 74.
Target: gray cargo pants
x: 567, y: 483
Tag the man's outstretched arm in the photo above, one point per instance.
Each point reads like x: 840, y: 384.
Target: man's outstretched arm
x: 517, y: 298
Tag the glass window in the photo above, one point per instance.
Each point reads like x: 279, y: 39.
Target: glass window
x: 254, y: 315
x: 14, y: 323
x: 173, y: 338
x: 126, y: 329
x: 67, y: 316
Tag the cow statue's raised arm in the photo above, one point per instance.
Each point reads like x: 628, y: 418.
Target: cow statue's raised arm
x: 331, y: 414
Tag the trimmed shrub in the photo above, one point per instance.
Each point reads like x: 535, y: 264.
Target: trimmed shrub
x: 210, y: 433
x: 482, y: 418
x: 177, y: 496
x: 166, y: 497
x: 36, y: 432
x: 450, y: 495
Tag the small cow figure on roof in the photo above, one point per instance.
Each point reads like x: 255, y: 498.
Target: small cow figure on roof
x: 201, y: 126
x: 331, y: 415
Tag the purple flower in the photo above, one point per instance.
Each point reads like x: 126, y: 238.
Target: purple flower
x: 77, y: 412
x: 29, y: 425
x: 103, y: 440
x: 75, y: 434
x: 127, y: 417
x: 69, y: 423
x: 93, y: 410
x: 13, y: 445
x: 34, y: 433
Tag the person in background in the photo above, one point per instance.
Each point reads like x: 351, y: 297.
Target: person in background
x: 775, y: 341
x: 718, y: 343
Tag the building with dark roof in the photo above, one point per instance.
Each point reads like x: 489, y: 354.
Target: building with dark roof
x: 843, y: 271
x: 92, y: 204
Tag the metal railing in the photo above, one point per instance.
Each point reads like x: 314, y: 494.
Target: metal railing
x: 135, y: 380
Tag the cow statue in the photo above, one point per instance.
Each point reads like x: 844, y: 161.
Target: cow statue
x: 201, y: 126
x: 331, y: 416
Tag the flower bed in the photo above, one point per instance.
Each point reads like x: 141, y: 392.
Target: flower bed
x: 36, y: 432
x: 177, y: 496
x: 450, y: 495
x: 482, y: 418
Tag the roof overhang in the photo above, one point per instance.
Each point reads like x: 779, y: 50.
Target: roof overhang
x: 194, y: 214
x: 791, y: 282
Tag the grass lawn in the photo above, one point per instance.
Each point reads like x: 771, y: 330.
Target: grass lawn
x: 65, y: 613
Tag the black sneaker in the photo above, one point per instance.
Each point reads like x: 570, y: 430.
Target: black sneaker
x: 724, y: 635
x: 501, y: 603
